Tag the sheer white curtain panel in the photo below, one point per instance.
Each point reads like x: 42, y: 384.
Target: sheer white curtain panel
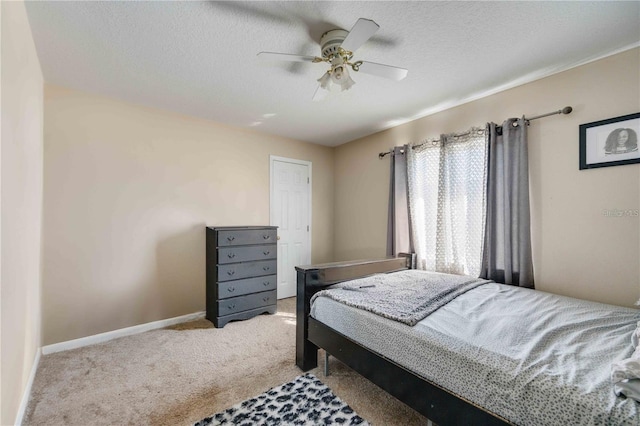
x: 447, y: 181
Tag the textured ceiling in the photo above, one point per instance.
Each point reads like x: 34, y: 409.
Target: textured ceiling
x: 199, y: 58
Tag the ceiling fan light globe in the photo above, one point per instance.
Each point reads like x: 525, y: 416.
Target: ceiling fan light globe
x: 338, y: 74
x: 347, y: 82
x: 325, y: 81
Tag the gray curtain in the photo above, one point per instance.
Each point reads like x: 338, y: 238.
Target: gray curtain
x: 507, y: 242
x: 398, y: 232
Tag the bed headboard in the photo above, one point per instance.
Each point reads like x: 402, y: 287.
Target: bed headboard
x: 313, y: 278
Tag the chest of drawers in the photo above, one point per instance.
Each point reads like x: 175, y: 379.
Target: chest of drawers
x: 241, y: 272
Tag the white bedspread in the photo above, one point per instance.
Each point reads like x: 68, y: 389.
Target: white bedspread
x: 531, y: 357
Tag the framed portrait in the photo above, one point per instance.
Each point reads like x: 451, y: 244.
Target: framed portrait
x: 611, y: 142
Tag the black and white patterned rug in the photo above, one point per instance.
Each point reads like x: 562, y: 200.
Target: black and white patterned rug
x: 303, y: 401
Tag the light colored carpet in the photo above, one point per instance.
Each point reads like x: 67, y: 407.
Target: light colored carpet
x: 181, y: 374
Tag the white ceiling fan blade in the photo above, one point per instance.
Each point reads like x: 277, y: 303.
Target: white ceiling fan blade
x: 287, y: 57
x: 386, y: 71
x: 320, y: 94
x: 362, y: 31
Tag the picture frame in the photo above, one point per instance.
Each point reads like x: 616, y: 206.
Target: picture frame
x: 610, y: 142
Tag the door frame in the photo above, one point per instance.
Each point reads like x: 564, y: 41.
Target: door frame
x: 273, y: 158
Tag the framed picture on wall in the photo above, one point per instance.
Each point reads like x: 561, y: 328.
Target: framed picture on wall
x: 611, y: 142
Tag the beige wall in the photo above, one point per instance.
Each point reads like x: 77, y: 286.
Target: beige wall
x: 577, y: 250
x: 21, y: 206
x: 128, y: 192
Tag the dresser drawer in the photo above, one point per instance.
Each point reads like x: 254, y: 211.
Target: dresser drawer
x: 235, y: 288
x: 236, y: 271
x: 244, y: 303
x: 239, y: 237
x: 243, y: 254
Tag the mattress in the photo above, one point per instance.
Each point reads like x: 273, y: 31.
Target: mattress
x: 531, y: 357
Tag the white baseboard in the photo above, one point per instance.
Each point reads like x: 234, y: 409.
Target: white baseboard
x: 27, y: 390
x: 110, y: 335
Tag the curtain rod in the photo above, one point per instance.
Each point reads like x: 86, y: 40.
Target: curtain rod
x: 565, y: 110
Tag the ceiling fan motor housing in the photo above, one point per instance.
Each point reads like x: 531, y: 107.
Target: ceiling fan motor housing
x: 331, y: 41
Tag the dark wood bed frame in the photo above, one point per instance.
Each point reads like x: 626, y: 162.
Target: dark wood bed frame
x: 429, y: 399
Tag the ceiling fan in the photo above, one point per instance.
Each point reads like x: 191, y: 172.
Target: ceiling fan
x: 337, y: 47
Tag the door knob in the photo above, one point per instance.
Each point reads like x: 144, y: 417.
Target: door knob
x: 278, y: 237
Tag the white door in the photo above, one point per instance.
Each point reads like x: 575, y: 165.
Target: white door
x: 291, y: 213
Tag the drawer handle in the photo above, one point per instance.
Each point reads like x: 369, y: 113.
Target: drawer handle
x: 231, y: 238
x: 231, y: 255
x: 265, y: 299
x: 231, y: 272
x: 266, y: 283
x: 266, y: 237
x: 266, y: 253
x: 231, y: 289
x: 265, y: 268
x: 232, y: 306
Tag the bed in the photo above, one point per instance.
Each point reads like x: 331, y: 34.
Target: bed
x: 472, y: 368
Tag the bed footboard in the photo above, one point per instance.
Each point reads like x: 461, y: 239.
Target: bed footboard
x: 313, y: 278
